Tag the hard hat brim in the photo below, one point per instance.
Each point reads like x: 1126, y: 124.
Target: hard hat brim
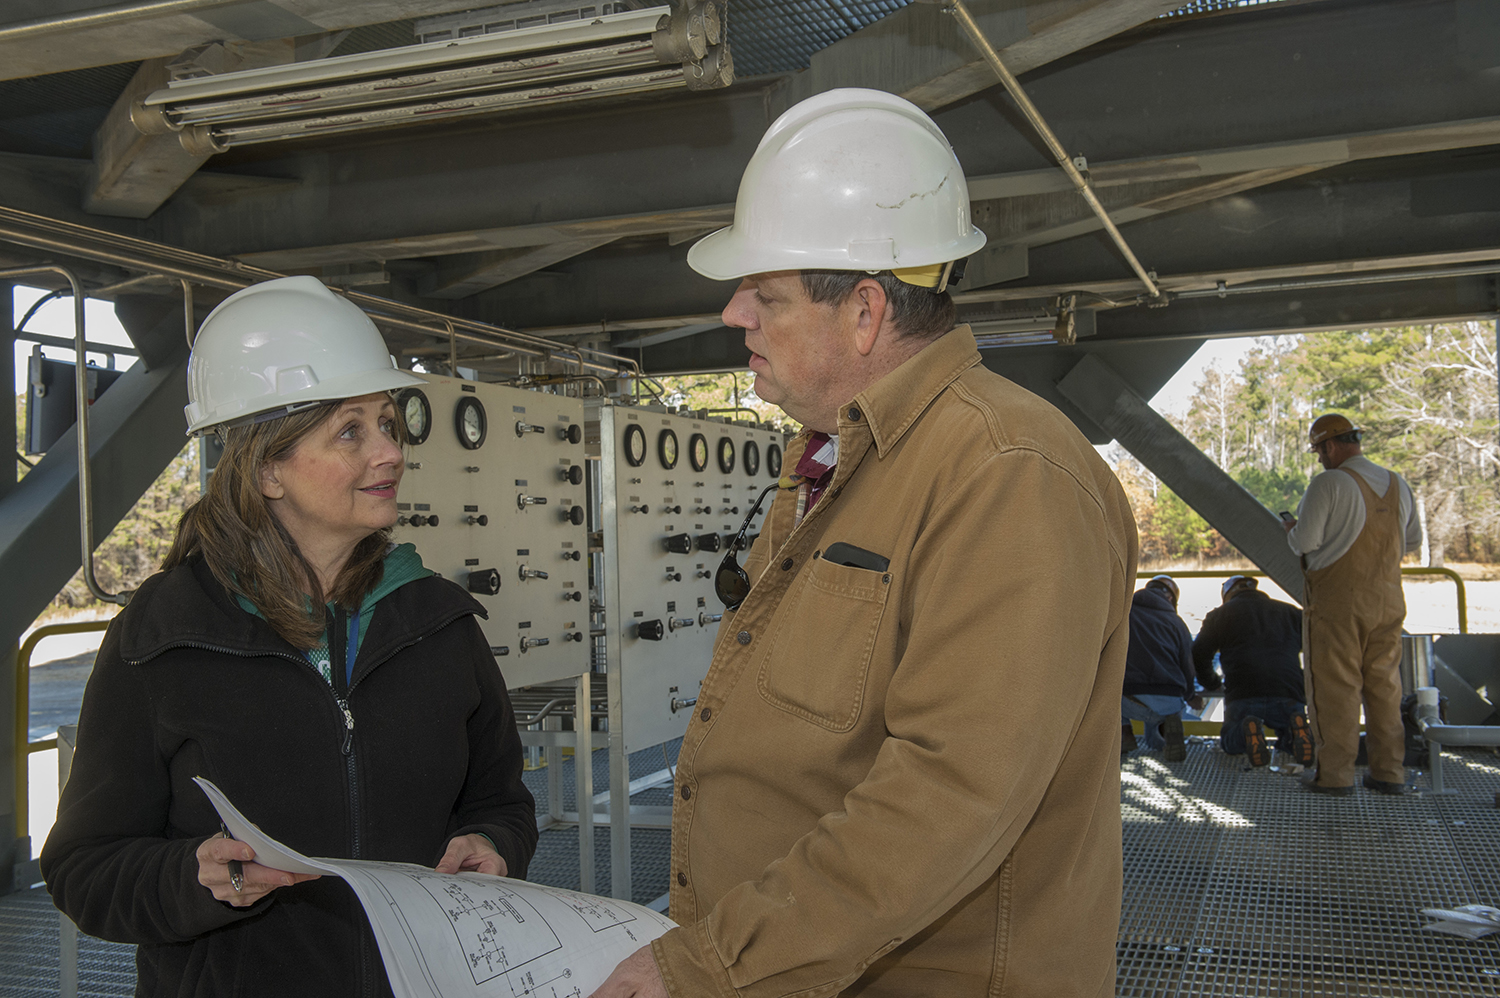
x: 332, y: 390
x: 726, y: 255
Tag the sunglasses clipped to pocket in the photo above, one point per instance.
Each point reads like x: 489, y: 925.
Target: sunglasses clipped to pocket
x: 731, y: 584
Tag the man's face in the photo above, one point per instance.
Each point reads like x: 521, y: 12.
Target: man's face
x: 1332, y: 453
x: 800, y: 351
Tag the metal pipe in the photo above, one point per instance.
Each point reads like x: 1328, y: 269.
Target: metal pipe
x: 188, y: 321
x: 101, y: 17
x: 1385, y: 277
x: 52, y: 235
x: 1459, y: 734
x: 81, y: 390
x: 1012, y: 86
x: 23, y: 746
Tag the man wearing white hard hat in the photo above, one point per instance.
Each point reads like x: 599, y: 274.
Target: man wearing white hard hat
x: 901, y: 777
x: 1352, y: 528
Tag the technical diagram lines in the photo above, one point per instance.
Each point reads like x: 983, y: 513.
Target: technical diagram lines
x: 597, y: 913
x: 497, y: 930
x: 525, y: 985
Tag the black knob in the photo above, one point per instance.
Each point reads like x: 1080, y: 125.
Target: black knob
x: 432, y: 520
x: 482, y: 520
x: 574, y: 475
x: 573, y: 434
x: 575, y: 555
x: 577, y: 635
x: 418, y: 520
x: 704, y: 574
x: 650, y: 630
x: 679, y: 544
x: 673, y: 509
x: 640, y: 509
x: 709, y: 542
x: 674, y: 576
x: 486, y: 583
x: 575, y: 516
x: 575, y: 595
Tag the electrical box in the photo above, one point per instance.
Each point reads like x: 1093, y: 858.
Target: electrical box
x: 494, y: 498
x: 673, y: 493
x: 52, y: 398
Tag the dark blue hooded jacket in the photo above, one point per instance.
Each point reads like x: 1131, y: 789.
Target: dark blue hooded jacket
x: 1160, y: 659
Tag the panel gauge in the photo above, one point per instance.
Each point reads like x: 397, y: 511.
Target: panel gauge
x: 752, y: 458
x: 726, y: 455
x: 666, y: 449
x: 773, y: 460
x: 698, y: 452
x: 635, y: 445
x: 470, y: 422
x: 416, y: 413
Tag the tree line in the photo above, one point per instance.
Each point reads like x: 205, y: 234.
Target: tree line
x: 1425, y: 395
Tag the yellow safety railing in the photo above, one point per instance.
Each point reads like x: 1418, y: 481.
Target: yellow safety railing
x: 23, y: 746
x: 1224, y: 573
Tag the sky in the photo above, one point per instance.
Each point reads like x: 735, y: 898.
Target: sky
x: 56, y: 319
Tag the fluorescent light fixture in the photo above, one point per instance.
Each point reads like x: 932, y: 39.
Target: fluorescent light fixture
x: 625, y: 53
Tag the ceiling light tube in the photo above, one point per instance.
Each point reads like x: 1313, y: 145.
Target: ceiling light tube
x: 202, y: 140
x: 633, y: 54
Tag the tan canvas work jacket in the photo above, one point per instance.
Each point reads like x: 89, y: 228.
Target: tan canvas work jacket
x: 906, y: 782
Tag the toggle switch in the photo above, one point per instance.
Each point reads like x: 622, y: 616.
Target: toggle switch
x: 533, y: 643
x: 704, y: 619
x: 485, y: 583
x: 532, y: 573
x: 523, y: 428
x: 523, y: 501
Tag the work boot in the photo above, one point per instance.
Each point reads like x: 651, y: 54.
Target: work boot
x: 1255, y: 741
x: 1302, y: 740
x: 1127, y: 738
x: 1176, y: 748
x: 1382, y: 787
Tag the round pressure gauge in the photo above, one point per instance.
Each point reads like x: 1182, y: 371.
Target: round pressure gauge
x: 752, y: 458
x: 726, y: 455
x: 773, y: 460
x: 470, y: 421
x: 666, y: 449
x: 698, y: 451
x: 416, y: 412
x: 635, y: 445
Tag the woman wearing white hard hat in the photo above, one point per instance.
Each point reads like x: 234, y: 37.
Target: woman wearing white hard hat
x: 339, y: 693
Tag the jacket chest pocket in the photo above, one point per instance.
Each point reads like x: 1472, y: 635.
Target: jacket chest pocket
x: 817, y: 662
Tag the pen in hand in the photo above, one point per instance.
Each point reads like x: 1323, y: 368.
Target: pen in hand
x: 236, y: 871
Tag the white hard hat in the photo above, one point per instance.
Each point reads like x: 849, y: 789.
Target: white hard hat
x: 848, y: 180
x: 283, y: 345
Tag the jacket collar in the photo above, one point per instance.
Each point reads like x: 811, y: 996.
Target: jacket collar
x: 889, y: 407
x: 188, y: 607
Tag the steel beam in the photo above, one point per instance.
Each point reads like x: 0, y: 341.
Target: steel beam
x: 1110, y: 402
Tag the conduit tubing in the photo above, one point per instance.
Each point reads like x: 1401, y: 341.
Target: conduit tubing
x: 49, y: 234
x: 81, y: 391
x: 1012, y: 86
x: 1459, y: 734
x: 101, y: 17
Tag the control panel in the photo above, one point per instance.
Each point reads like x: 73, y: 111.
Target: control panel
x: 674, y: 491
x: 494, y: 498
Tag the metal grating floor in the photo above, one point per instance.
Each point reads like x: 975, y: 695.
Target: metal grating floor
x: 1237, y: 882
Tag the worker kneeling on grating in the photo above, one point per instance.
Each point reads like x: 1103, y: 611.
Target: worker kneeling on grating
x: 901, y: 777
x: 1158, y: 671
x: 1354, y: 524
x: 1259, y: 644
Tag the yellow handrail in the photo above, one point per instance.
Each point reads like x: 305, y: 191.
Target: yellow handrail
x: 24, y: 747
x: 1216, y: 573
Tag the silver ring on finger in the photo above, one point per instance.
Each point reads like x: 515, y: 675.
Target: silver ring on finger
x: 237, y: 881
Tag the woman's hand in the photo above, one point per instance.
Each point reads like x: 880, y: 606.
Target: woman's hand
x: 214, y: 856
x: 472, y: 853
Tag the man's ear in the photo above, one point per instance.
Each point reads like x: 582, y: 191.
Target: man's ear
x: 270, y: 481
x: 873, y: 305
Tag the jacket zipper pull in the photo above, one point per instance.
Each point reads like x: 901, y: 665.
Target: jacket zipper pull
x: 348, y: 724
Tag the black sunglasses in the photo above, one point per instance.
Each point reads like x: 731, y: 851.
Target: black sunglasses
x: 731, y: 584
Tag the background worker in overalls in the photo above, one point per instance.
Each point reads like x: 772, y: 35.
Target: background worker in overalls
x: 1352, y: 529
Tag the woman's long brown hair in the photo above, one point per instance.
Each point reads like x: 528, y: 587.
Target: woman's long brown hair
x: 247, y: 548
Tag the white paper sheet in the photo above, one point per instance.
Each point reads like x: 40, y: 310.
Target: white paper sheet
x: 469, y: 935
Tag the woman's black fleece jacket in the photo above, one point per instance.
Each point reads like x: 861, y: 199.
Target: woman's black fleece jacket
x: 189, y: 684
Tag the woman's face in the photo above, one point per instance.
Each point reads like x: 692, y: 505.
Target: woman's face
x: 338, y: 485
